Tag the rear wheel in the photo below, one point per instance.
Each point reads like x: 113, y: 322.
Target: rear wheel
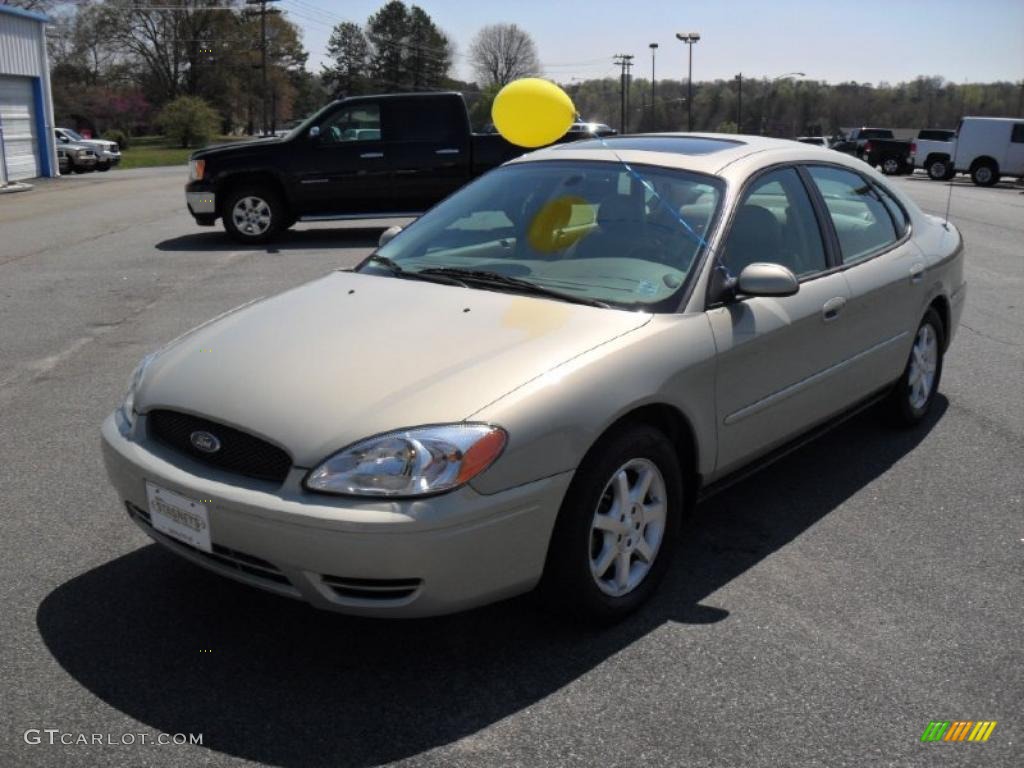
x: 891, y: 166
x: 938, y: 169
x: 253, y: 214
x: 616, y: 530
x: 912, y: 397
x: 984, y: 173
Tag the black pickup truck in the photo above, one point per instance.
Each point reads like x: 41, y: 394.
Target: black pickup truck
x: 878, y: 148
x: 382, y: 156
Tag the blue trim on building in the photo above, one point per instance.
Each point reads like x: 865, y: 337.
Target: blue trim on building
x: 42, y: 139
x: 35, y: 16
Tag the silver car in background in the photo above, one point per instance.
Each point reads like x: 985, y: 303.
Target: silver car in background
x: 528, y: 385
x: 108, y: 153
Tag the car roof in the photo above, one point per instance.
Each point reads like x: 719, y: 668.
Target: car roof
x: 710, y: 153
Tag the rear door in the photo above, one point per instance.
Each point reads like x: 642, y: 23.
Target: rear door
x: 778, y: 357
x: 884, y: 269
x: 1015, y: 152
x: 343, y: 170
x: 428, y: 150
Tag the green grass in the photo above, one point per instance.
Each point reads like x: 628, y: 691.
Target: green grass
x: 150, y: 151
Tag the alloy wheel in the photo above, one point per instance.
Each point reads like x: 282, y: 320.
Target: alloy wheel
x: 924, y: 357
x: 628, y: 527
x: 251, y: 215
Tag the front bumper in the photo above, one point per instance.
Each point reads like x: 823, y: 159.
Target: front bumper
x: 201, y: 203
x: 110, y: 158
x: 374, y: 558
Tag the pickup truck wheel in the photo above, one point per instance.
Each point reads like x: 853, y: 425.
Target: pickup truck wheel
x: 617, y: 527
x: 937, y: 169
x: 891, y: 166
x: 103, y: 167
x: 985, y: 173
x: 912, y: 397
x: 253, y: 214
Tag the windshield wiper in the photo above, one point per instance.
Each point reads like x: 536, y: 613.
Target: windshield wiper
x: 397, y: 270
x: 487, y: 278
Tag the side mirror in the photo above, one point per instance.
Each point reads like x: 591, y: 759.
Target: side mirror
x: 314, y: 132
x: 64, y: 139
x: 388, y: 235
x: 767, y: 280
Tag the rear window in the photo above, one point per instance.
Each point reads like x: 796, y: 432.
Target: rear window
x: 426, y: 120
x: 862, y: 221
x: 876, y: 133
x: 936, y: 135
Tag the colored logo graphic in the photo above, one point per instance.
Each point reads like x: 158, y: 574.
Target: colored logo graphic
x: 958, y: 730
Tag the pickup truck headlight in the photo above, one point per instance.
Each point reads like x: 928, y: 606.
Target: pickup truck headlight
x: 127, y: 410
x: 196, y: 169
x: 412, y: 462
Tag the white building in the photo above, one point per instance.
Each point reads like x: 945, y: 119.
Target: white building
x: 27, y: 147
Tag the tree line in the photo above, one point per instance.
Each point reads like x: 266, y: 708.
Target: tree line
x: 117, y: 64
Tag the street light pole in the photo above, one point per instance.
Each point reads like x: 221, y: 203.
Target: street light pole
x: 689, y: 38
x: 770, y: 88
x: 653, y: 47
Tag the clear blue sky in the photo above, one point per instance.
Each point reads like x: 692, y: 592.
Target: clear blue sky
x: 830, y: 40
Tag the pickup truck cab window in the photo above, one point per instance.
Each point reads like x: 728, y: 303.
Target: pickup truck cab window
x: 358, y: 122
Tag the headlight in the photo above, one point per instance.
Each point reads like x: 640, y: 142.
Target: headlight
x: 411, y: 462
x: 127, y: 410
x: 196, y: 169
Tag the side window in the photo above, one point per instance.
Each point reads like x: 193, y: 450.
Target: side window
x: 775, y: 223
x: 1017, y: 135
x: 423, y: 120
x: 359, y: 122
x: 898, y: 216
x: 863, y: 224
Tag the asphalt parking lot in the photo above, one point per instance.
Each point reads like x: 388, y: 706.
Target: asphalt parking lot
x: 820, y: 613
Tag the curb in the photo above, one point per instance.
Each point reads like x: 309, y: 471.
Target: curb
x: 14, y: 186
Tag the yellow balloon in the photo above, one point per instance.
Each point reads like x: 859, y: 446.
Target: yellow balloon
x: 546, y: 232
x: 531, y: 112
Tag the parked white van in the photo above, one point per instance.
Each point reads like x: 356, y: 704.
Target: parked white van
x: 989, y: 148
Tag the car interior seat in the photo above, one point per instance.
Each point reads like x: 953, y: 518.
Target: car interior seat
x: 756, y: 236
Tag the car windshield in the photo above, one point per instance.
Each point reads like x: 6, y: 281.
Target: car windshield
x: 73, y: 135
x: 590, y: 230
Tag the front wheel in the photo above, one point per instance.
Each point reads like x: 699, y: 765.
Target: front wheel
x: 103, y: 167
x: 616, y: 529
x: 253, y: 214
x: 913, y: 395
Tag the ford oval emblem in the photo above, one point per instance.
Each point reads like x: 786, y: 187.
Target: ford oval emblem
x: 204, y: 441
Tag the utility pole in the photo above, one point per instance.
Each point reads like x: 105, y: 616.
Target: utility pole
x: 629, y: 83
x: 624, y: 60
x: 739, y: 103
x: 263, y: 55
x: 654, y: 48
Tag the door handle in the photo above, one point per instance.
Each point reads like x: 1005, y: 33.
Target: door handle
x: 917, y: 273
x: 371, y: 155
x: 446, y: 152
x: 831, y: 309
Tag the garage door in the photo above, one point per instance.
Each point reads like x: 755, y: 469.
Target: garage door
x: 17, y: 119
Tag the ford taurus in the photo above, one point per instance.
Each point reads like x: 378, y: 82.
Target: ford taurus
x: 527, y: 386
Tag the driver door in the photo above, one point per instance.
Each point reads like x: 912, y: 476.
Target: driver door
x: 777, y: 356
x: 343, y: 169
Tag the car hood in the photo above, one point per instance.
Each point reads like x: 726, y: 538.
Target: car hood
x: 235, y: 148
x: 350, y: 355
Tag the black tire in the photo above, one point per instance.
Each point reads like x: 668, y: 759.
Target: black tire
x: 103, y: 167
x: 938, y: 169
x: 985, y: 173
x: 264, y: 201
x: 568, y: 584
x: 905, y: 406
x: 950, y: 174
x: 81, y: 169
x: 891, y: 166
